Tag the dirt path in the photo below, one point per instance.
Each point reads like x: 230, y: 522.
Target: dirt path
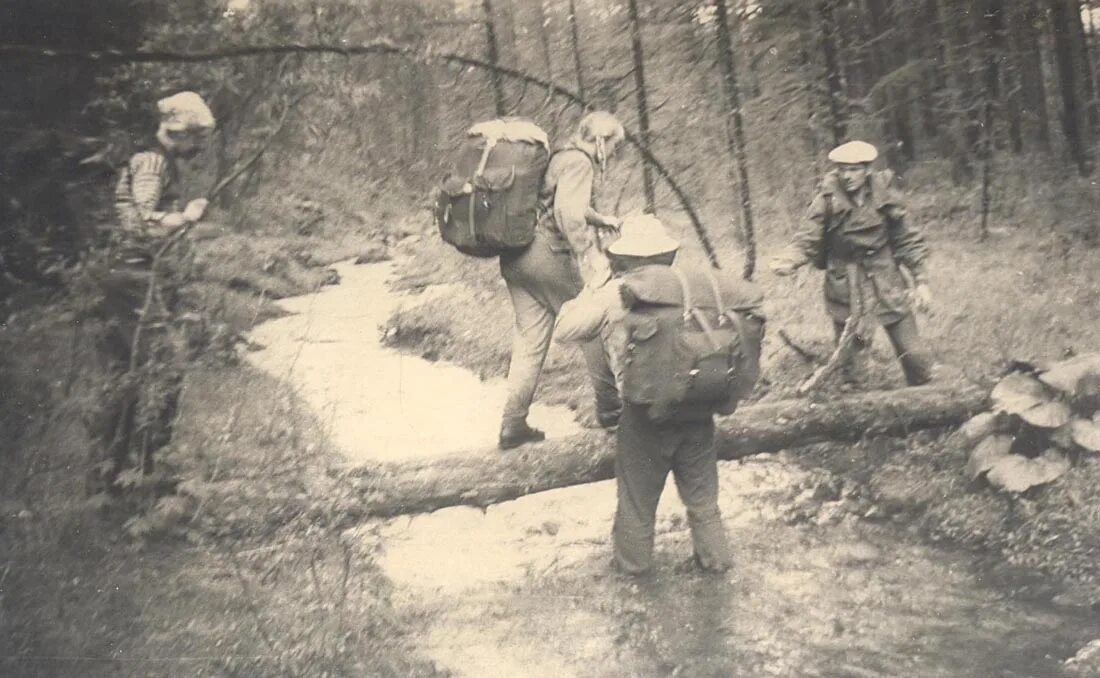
x: 524, y: 588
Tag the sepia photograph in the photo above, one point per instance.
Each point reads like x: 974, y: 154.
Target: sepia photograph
x: 549, y: 338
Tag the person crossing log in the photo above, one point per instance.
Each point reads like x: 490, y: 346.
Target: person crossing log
x: 485, y: 477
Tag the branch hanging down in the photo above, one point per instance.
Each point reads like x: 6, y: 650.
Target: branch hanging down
x: 383, y: 47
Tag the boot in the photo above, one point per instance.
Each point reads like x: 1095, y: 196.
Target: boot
x: 518, y: 433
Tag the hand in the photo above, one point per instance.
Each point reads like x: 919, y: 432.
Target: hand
x: 782, y: 267
x: 173, y: 220
x: 195, y: 209
x: 613, y: 223
x: 922, y: 297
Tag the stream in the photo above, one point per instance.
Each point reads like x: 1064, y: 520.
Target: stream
x: 525, y: 588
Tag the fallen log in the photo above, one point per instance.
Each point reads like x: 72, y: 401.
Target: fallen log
x: 485, y: 477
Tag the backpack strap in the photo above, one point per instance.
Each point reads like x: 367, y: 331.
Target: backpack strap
x: 490, y: 142
x: 690, y: 311
x: 716, y: 289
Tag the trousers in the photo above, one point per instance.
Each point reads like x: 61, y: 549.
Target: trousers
x: 539, y: 281
x: 905, y: 338
x: 645, y: 453
x: 139, y: 397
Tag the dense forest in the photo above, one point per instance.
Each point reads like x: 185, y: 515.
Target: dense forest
x: 729, y: 104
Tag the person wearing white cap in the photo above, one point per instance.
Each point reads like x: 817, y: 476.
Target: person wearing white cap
x: 135, y: 415
x: 647, y: 449
x: 565, y: 255
x: 856, y: 226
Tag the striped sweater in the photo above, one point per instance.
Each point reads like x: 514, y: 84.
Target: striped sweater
x: 143, y: 195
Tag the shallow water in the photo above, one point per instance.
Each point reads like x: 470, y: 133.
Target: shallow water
x: 524, y: 588
x: 381, y: 405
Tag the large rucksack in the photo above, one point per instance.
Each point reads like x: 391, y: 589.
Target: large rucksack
x: 693, y: 341
x: 488, y: 203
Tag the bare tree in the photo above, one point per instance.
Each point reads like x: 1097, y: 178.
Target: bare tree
x: 1073, y: 117
x: 642, y: 99
x: 834, y: 81
x: 493, y: 56
x: 736, y: 133
x: 575, y: 38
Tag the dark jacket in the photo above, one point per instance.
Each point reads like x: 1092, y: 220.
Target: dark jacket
x: 875, y: 236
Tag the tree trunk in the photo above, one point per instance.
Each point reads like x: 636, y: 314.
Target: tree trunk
x: 833, y: 80
x: 990, y: 91
x: 1033, y: 91
x: 891, y: 52
x: 1084, y: 65
x: 493, y: 56
x: 544, y: 39
x: 575, y: 38
x: 930, y: 49
x: 736, y: 134
x: 643, y: 101
x: 1073, y: 117
x: 964, y: 101
x: 815, y: 100
x: 490, y: 476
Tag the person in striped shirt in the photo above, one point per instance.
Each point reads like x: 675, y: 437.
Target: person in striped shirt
x: 138, y: 404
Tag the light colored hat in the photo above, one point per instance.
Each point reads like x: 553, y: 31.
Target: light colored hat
x: 600, y: 125
x: 643, y: 235
x: 184, y: 111
x: 853, y: 153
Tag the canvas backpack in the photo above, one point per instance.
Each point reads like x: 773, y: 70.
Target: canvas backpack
x: 693, y: 341
x: 488, y: 202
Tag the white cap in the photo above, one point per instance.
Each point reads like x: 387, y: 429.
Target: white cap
x: 600, y: 125
x: 643, y: 235
x: 853, y: 153
x: 184, y: 111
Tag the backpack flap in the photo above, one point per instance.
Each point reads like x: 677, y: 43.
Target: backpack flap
x: 495, y: 179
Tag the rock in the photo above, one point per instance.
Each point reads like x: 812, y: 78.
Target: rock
x: 373, y: 255
x: 330, y: 276
x: 1087, y: 660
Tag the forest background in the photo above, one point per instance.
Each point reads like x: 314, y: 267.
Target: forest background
x: 987, y: 110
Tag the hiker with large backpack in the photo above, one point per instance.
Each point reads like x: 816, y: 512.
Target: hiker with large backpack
x: 684, y: 345
x: 498, y: 201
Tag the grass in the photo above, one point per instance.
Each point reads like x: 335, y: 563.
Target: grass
x: 252, y: 575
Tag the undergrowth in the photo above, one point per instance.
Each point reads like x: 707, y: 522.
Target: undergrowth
x: 231, y: 558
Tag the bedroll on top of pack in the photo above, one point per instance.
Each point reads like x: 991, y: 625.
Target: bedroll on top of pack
x: 488, y: 201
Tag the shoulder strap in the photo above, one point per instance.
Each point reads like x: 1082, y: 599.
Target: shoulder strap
x: 690, y: 311
x: 716, y: 289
